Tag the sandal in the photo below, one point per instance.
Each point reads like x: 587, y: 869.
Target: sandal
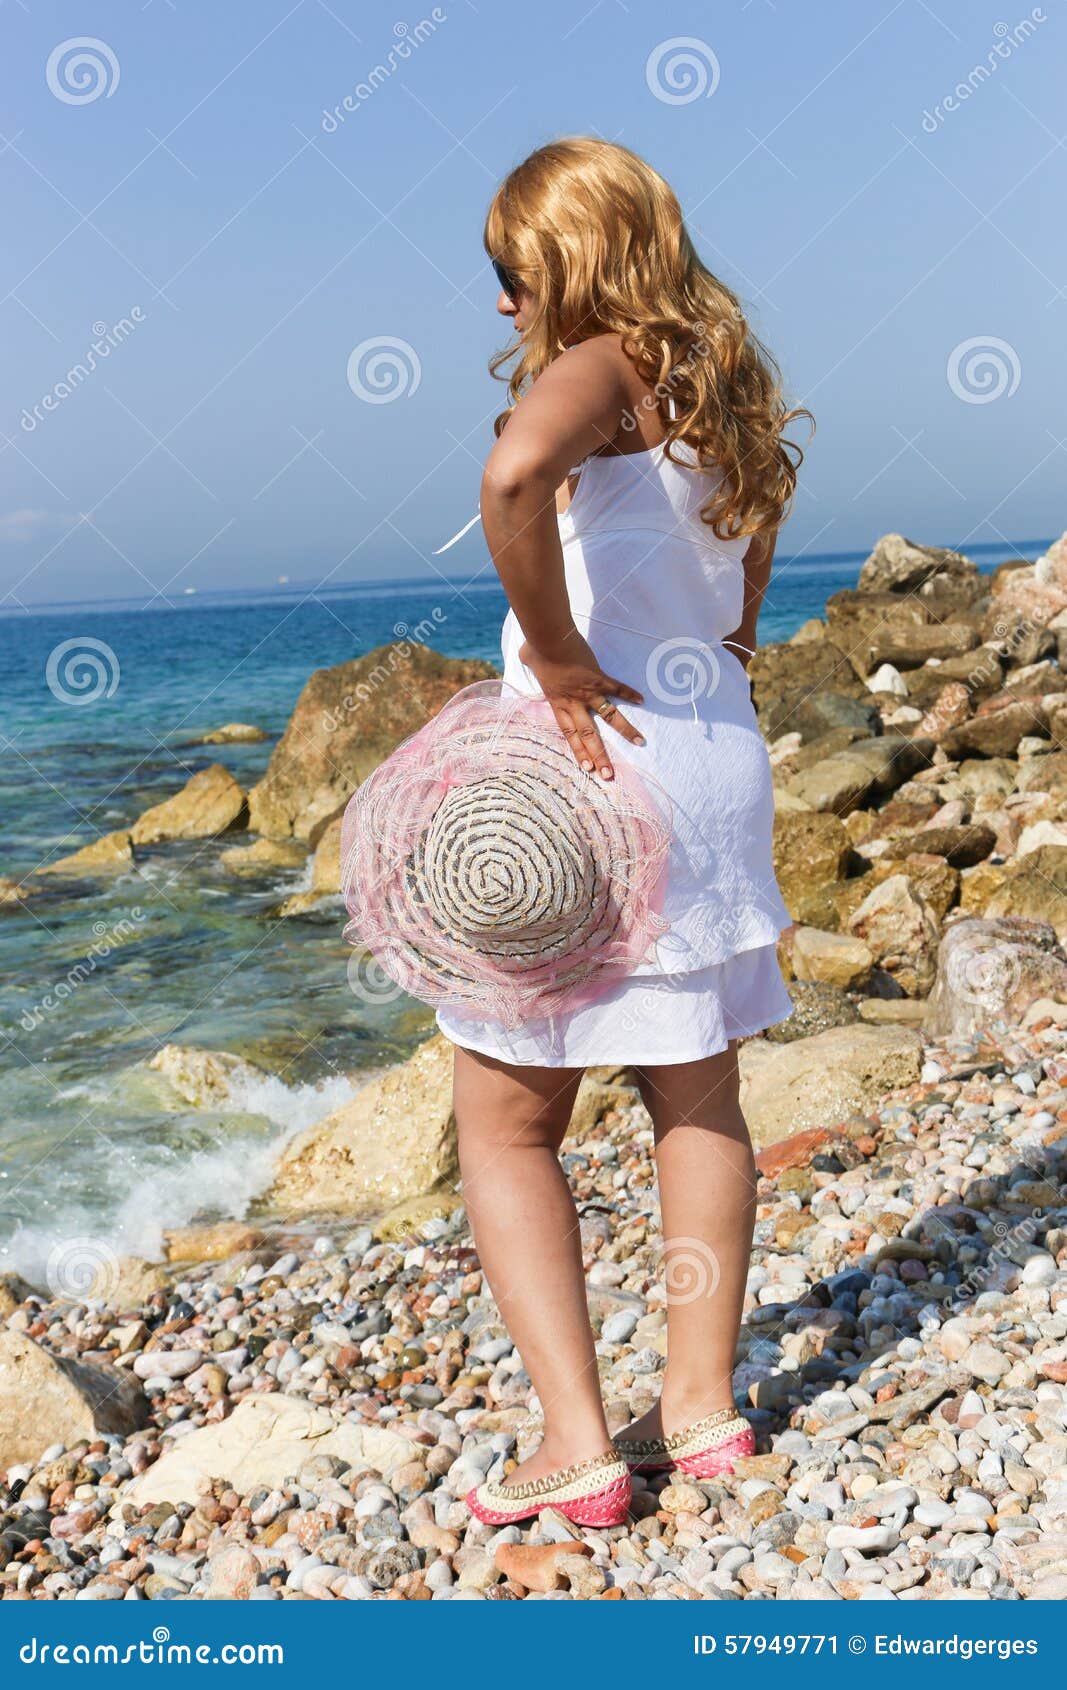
x: 704, y: 1450
x: 591, y: 1493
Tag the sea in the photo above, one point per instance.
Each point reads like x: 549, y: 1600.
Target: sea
x: 97, y: 1153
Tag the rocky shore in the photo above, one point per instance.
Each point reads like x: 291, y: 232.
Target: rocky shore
x: 305, y: 1425
x: 293, y: 1405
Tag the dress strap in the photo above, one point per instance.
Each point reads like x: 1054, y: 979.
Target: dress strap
x: 467, y: 526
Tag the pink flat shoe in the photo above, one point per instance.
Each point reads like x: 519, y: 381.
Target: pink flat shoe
x: 591, y: 1493
x: 703, y: 1450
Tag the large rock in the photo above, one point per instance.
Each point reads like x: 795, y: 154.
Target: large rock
x: 961, y: 846
x: 231, y: 733
x: 109, y: 854
x: 836, y: 959
x: 814, y: 713
x: 810, y: 851
x: 853, y: 618
x: 326, y: 863
x: 1038, y: 834
x: 207, y: 805
x: 1044, y: 681
x: 406, y: 1220
x: 205, y: 1079
x: 891, y: 760
x: 871, y: 768
x: 903, y: 814
x: 347, y: 720
x: 1056, y: 717
x: 14, y: 1290
x: 48, y: 1399
x: 990, y: 972
x: 1018, y: 637
x: 911, y: 648
x: 981, y: 671
x: 821, y: 1081
x: 14, y: 893
x: 977, y: 886
x: 127, y: 1282
x: 264, y: 857
x: 995, y: 733
x: 898, y: 927
x: 936, y: 882
x: 394, y: 1140
x: 837, y: 786
x: 1047, y: 773
x: 1037, y: 593
x: 813, y: 751
x: 1034, y: 887
x: 951, y: 706
x: 267, y: 1440
x: 977, y: 775
x: 897, y: 565
x: 215, y: 1241
x: 786, y: 677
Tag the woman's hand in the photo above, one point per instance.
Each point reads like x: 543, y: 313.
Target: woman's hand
x: 576, y: 686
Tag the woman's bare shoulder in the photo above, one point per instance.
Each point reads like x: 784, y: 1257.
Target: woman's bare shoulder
x: 601, y: 355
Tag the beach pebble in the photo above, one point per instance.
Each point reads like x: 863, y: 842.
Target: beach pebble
x: 869, y: 1540
x: 167, y: 1364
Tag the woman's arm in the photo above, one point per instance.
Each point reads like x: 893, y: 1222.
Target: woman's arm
x: 758, y: 560
x: 573, y: 408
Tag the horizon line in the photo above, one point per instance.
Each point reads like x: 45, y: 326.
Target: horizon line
x: 308, y: 589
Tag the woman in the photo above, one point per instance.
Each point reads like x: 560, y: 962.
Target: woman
x: 630, y: 505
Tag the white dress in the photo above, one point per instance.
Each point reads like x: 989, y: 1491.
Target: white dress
x: 655, y: 593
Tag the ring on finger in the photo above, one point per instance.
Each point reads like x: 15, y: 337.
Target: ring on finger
x: 607, y: 709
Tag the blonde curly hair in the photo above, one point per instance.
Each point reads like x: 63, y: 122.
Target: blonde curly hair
x: 595, y: 237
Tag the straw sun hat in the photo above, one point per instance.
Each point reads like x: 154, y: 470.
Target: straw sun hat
x: 486, y: 872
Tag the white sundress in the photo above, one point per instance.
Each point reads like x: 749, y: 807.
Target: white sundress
x: 655, y: 593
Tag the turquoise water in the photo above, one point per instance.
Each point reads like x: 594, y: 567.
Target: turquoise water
x: 93, y: 1145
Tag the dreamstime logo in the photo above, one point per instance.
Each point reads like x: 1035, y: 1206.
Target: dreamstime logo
x: 682, y: 70
x: 406, y: 39
x: 82, y: 1267
x: 982, y: 369
x: 1006, y: 42
x: 82, y: 70
x: 368, y: 981
x: 691, y: 1270
x: 986, y: 977
x: 161, y: 1651
x: 108, y: 938
x: 82, y: 670
x: 702, y: 347
x: 1009, y: 1242
x: 384, y: 368
x: 384, y: 672
x: 681, y: 670
x: 105, y: 339
x: 1009, y: 637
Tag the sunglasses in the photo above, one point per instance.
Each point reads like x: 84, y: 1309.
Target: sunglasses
x: 508, y: 280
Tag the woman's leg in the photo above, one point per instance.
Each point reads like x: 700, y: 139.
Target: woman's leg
x: 511, y: 1121
x: 707, y: 1185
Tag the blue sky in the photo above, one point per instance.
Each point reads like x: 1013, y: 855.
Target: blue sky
x: 902, y: 255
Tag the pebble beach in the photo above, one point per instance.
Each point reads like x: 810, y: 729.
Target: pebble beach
x: 904, y: 1359
x: 290, y: 1401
